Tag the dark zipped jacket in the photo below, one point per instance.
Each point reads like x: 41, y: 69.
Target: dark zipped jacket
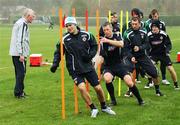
x: 148, y: 24
x: 124, y: 28
x: 79, y: 50
x: 112, y: 54
x: 136, y: 38
x: 160, y: 43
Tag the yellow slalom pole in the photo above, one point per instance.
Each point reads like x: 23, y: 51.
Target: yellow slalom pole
x: 62, y: 63
x: 121, y: 25
x: 127, y: 19
x: 121, y: 21
x: 119, y: 87
x: 109, y: 16
x: 109, y: 20
x: 76, y: 109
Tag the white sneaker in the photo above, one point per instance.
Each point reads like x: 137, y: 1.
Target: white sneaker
x: 176, y: 88
x: 147, y: 86
x: 137, y: 81
x: 165, y: 82
x: 128, y: 94
x: 151, y: 84
x: 94, y: 113
x: 108, y: 111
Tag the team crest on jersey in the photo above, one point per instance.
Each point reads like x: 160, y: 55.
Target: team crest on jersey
x: 84, y: 39
x: 142, y: 35
x: 161, y: 38
x: 68, y: 39
x: 111, y: 48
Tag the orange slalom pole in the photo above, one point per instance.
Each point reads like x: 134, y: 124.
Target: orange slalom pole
x: 86, y: 15
x: 86, y: 24
x: 134, y: 76
x: 73, y: 12
x: 62, y: 63
x: 76, y: 109
x: 53, y: 11
x: 98, y: 39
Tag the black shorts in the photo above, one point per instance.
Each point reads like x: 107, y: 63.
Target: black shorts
x: 128, y: 64
x: 163, y: 59
x: 147, y: 65
x: 117, y: 70
x: 91, y: 77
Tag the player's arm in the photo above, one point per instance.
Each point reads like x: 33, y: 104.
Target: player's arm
x: 127, y: 49
x: 57, y: 57
x: 168, y: 45
x: 93, y: 46
x: 20, y: 37
x: 118, y: 43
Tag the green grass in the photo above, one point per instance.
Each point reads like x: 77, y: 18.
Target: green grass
x: 43, y: 106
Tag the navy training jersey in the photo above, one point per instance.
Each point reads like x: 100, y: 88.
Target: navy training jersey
x: 112, y: 54
x: 160, y: 43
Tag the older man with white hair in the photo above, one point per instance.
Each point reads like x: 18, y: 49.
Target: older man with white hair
x: 19, y: 49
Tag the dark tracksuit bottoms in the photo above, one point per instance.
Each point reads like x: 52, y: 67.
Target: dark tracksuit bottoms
x: 20, y: 71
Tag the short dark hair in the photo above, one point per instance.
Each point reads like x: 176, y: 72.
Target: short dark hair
x: 154, y: 11
x: 141, y: 14
x: 150, y: 16
x: 136, y: 19
x: 135, y: 11
x: 113, y: 13
x: 106, y: 24
x: 155, y: 23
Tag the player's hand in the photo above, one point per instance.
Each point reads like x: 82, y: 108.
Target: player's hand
x: 133, y: 59
x: 21, y: 58
x: 104, y: 40
x: 136, y: 48
x: 53, y: 68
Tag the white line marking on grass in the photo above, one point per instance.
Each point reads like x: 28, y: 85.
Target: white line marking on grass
x: 4, y: 67
x: 175, y: 39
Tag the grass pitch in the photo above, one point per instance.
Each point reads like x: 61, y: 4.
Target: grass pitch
x: 43, y: 106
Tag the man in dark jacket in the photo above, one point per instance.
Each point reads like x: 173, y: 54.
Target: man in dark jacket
x: 112, y: 53
x: 155, y: 16
x: 160, y: 49
x: 115, y: 25
x: 135, y: 12
x: 80, y: 47
x: 136, y: 41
